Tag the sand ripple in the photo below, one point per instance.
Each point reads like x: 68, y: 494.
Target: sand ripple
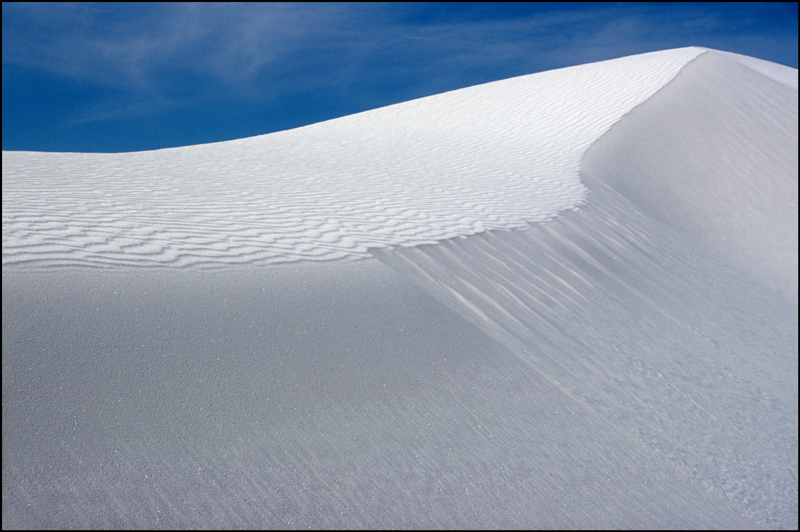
x: 495, y: 156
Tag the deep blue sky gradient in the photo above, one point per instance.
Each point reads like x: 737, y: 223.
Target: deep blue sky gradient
x: 124, y: 77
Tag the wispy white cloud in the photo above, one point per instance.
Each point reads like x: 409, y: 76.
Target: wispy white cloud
x: 178, y: 53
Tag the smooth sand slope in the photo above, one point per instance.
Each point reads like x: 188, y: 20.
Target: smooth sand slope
x: 562, y: 300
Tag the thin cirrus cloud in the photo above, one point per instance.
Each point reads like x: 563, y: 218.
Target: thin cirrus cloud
x: 122, y: 77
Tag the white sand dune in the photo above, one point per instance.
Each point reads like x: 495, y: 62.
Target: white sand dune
x: 496, y: 156
x: 562, y: 300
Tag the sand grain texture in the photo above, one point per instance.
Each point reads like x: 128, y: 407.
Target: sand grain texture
x: 564, y: 300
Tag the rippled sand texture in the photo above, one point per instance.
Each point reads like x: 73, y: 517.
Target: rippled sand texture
x: 499, y: 155
x: 566, y: 300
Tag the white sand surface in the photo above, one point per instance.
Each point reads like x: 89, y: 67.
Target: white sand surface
x: 561, y: 300
x: 499, y: 155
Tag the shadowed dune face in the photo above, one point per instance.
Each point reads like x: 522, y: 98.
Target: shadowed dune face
x: 644, y: 331
x: 619, y: 365
x: 711, y: 156
x: 586, y: 375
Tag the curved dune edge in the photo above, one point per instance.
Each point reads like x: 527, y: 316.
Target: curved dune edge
x: 646, y: 307
x: 713, y: 155
x: 495, y: 156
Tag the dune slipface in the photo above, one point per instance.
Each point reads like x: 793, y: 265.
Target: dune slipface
x: 512, y: 305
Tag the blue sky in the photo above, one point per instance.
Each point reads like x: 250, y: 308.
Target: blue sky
x: 93, y: 77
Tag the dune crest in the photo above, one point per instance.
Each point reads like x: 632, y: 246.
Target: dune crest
x: 495, y: 156
x: 713, y: 154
